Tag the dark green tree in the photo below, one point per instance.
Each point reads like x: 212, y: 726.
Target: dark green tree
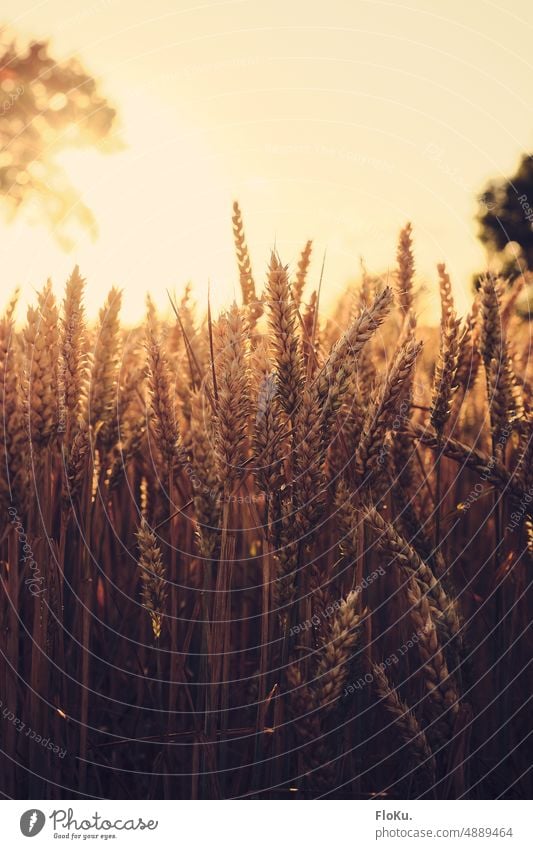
x: 505, y: 216
x: 46, y: 107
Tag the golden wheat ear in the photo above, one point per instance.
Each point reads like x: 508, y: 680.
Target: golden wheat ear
x: 444, y: 383
x: 41, y: 384
x: 334, y: 378
x: 74, y: 368
x: 267, y: 436
x: 76, y: 467
x: 154, y: 585
x: 371, y: 455
x: 405, y: 270
x: 247, y: 283
x: 105, y: 360
x: 163, y: 417
x: 298, y: 283
x: 233, y: 406
x: 13, y: 432
x: 341, y: 635
x: 285, y: 341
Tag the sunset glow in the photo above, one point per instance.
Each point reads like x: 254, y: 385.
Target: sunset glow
x: 337, y: 122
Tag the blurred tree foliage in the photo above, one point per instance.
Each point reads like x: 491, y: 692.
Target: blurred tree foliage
x: 46, y: 107
x: 505, y: 216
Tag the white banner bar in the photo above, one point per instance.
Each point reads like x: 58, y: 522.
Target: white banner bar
x: 256, y: 824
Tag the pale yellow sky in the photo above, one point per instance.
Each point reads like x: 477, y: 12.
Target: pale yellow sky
x: 335, y: 120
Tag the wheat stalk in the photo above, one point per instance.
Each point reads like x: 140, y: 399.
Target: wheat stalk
x: 205, y: 481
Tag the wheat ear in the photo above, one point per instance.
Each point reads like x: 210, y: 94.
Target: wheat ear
x: 377, y: 423
x: 491, y: 333
x: 301, y: 274
x: 442, y: 693
x: 287, y: 558
x: 444, y: 383
x: 405, y: 723
x: 389, y: 540
x: 233, y: 406
x: 468, y: 358
x: 342, y: 634
x: 491, y: 469
x: 246, y: 279
x: 103, y: 379
x: 13, y: 434
x: 285, y: 340
x: 74, y: 364
x: 405, y: 270
x: 154, y: 585
x: 76, y: 467
x: 334, y: 379
x: 41, y: 381
x: 267, y: 436
x: 162, y: 406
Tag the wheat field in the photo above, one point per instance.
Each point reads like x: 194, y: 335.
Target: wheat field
x: 269, y: 554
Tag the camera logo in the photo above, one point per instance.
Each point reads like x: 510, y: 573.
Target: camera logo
x: 32, y: 822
